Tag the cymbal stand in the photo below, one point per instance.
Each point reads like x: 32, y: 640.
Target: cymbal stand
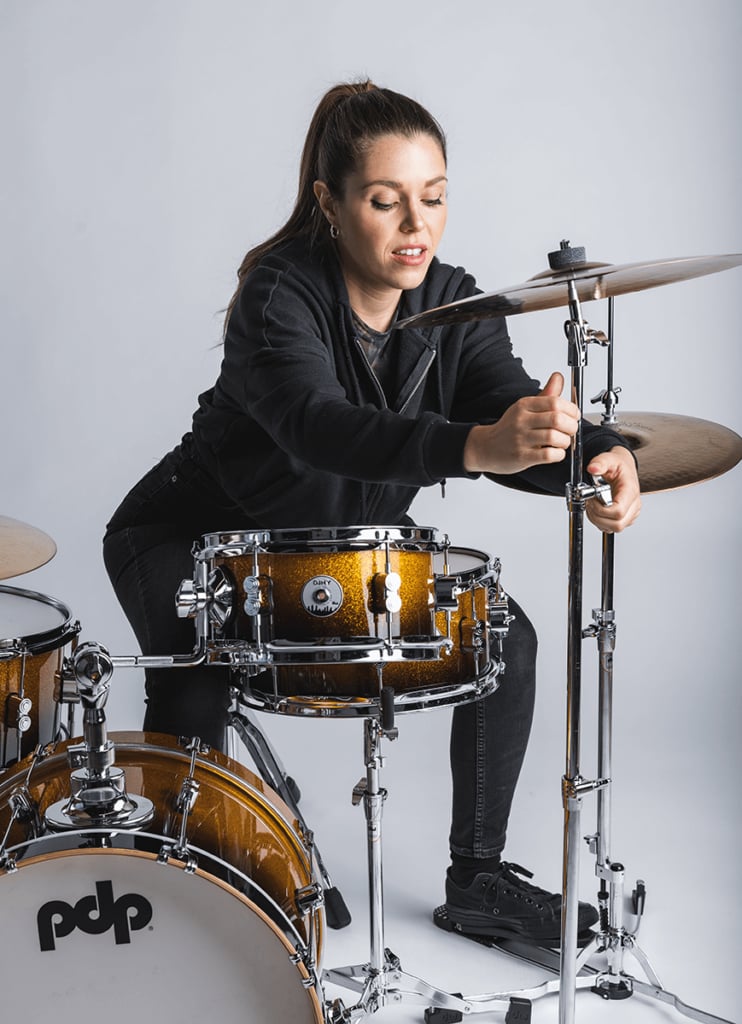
x: 612, y: 938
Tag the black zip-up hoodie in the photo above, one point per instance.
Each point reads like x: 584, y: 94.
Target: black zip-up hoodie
x: 297, y: 430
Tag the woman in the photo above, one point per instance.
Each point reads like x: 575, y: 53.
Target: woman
x: 324, y: 415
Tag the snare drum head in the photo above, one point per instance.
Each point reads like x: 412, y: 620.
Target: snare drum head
x: 30, y: 617
x: 116, y: 929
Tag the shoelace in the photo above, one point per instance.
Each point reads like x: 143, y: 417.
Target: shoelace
x: 510, y: 871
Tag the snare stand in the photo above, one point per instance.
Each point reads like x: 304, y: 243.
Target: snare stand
x: 382, y: 981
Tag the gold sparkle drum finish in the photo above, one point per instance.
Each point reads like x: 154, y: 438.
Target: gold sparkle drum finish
x: 227, y: 925
x: 34, y: 630
x: 319, y: 620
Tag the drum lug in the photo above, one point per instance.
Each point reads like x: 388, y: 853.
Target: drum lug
x: 185, y: 801
x: 24, y: 810
x: 446, y: 594
x: 384, y: 589
x: 20, y: 708
x: 167, y: 852
x: 309, y: 898
x: 473, y: 635
x: 498, y: 611
x: 302, y: 958
x: 256, y: 602
x: 7, y: 863
x: 65, y: 689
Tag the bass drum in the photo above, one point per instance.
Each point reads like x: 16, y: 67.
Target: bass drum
x: 227, y: 927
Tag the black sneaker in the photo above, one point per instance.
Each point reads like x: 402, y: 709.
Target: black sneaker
x: 503, y: 905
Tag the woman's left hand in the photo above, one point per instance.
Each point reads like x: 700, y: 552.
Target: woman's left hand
x: 618, y: 468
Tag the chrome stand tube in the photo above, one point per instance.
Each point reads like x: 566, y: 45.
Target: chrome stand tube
x: 572, y: 783
x: 373, y: 801
x: 381, y: 981
x: 612, y: 939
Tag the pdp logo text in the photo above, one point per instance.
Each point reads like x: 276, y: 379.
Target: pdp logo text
x: 94, y: 915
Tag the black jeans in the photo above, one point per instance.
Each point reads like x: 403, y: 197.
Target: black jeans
x: 148, y: 552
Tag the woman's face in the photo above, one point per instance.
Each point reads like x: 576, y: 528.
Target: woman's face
x: 390, y: 218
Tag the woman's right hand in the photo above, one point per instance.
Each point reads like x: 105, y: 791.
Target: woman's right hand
x: 535, y: 430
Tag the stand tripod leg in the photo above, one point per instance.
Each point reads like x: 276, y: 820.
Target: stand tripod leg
x: 272, y: 771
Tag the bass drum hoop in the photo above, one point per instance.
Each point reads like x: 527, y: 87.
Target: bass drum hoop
x: 24, y: 856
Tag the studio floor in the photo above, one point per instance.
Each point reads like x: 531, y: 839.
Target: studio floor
x: 689, y: 931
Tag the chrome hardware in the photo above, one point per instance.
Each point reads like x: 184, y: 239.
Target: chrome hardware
x: 189, y: 789
x: 190, y: 600
x: 572, y: 789
x: 220, y: 597
x: 602, y: 490
x: 472, y: 634
x: 253, y: 601
x: 309, y: 898
x: 215, y: 598
x: 385, y: 587
x: 98, y: 794
x: 447, y: 590
x: 20, y: 708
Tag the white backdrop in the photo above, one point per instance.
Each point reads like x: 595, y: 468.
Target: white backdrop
x: 148, y: 145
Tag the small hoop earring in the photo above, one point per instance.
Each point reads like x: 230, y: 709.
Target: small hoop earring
x: 334, y: 231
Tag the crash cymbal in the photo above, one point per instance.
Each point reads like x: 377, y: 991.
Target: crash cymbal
x: 674, y: 451
x: 22, y: 547
x: 592, y: 281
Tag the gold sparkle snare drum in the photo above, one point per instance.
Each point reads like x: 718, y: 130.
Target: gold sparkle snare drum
x: 318, y: 621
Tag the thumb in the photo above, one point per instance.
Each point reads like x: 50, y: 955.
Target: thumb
x: 554, y: 385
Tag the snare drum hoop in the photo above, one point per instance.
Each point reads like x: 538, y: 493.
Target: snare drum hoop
x: 254, y: 898
x: 45, y: 640
x: 423, y: 699
x: 308, y: 539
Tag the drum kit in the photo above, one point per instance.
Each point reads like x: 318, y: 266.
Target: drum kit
x: 113, y: 844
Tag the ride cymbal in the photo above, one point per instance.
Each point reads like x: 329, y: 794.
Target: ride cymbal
x: 592, y: 281
x: 22, y: 547
x: 675, y: 451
